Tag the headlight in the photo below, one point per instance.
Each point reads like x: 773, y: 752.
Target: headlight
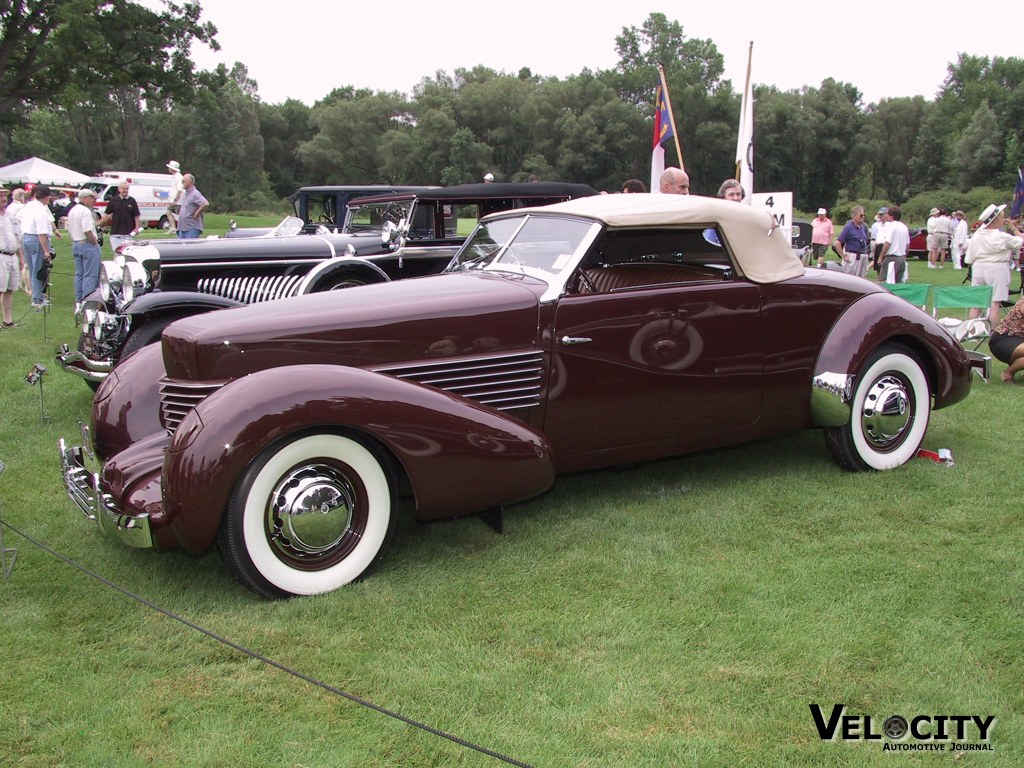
x: 110, y: 280
x: 88, y: 316
x: 134, y: 281
x: 97, y: 325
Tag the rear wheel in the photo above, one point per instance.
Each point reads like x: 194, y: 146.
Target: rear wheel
x: 310, y: 515
x: 891, y: 407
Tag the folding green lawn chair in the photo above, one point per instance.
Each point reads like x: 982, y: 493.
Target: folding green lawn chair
x: 964, y: 298
x: 915, y: 293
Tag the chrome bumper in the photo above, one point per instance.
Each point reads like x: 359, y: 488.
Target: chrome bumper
x: 83, y: 486
x: 80, y: 365
x: 980, y: 364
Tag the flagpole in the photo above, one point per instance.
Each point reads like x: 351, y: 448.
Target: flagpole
x: 671, y: 116
x: 743, y: 104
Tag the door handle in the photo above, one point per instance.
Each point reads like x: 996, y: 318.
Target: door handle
x: 575, y: 340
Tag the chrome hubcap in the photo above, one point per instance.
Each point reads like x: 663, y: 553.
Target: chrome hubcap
x: 311, y: 511
x: 887, y: 412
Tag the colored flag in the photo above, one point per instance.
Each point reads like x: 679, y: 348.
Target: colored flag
x: 745, y: 138
x: 1018, y: 196
x: 662, y: 133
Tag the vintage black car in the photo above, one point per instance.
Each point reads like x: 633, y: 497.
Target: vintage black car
x: 323, y: 208
x: 408, y: 234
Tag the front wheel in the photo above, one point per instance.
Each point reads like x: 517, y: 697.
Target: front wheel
x: 148, y: 333
x: 310, y: 515
x: 891, y: 407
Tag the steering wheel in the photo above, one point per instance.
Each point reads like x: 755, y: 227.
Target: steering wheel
x: 584, y: 278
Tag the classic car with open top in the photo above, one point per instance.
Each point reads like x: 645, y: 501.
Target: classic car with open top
x: 598, y: 332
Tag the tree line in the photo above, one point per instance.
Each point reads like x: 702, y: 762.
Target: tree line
x: 822, y: 142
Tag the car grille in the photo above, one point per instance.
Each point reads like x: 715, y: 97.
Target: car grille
x: 505, y: 382
x: 177, y: 398
x: 251, y: 290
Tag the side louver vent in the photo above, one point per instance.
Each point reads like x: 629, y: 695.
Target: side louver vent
x: 505, y: 382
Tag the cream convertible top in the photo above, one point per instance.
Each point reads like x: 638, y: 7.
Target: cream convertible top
x: 759, y: 257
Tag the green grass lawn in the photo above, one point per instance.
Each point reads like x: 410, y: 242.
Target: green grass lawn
x: 683, y: 613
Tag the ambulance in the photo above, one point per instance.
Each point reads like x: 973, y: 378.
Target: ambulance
x: 151, y: 191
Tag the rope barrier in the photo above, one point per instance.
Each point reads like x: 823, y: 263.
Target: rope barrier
x: 264, y: 659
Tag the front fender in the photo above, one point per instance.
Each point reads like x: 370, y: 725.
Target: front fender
x: 126, y: 408
x: 868, y: 323
x: 157, y: 302
x: 460, y: 457
x: 325, y: 270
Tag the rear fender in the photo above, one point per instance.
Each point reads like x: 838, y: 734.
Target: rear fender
x: 868, y: 323
x: 460, y: 457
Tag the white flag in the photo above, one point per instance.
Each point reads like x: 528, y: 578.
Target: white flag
x: 745, y: 138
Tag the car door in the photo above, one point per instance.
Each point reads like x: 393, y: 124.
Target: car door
x: 671, y: 364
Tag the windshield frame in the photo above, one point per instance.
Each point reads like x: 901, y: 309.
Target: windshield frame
x: 497, y: 261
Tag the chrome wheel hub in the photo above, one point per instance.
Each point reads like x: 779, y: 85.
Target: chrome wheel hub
x: 311, y: 511
x: 887, y: 412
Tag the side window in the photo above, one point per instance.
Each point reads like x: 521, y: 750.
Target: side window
x: 625, y: 259
x: 320, y: 209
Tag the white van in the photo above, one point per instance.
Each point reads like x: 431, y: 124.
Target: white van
x: 151, y: 191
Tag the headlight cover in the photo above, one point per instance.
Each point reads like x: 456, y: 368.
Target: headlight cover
x: 110, y: 280
x: 135, y: 282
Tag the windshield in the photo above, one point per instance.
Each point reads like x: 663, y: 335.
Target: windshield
x: 290, y: 225
x: 371, y: 218
x: 542, y: 246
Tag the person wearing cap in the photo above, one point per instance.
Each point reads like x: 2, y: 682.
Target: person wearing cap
x: 10, y: 262
x: 488, y: 178
x: 85, y: 245
x: 938, y: 238
x: 175, y: 193
x: 892, y: 259
x: 992, y: 253
x: 958, y: 246
x: 822, y: 233
x: 36, y: 230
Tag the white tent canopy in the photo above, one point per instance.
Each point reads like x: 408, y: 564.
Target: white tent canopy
x: 38, y: 171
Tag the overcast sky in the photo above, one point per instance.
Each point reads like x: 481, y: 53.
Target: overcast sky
x: 303, y: 50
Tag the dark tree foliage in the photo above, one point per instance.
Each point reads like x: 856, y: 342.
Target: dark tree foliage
x: 594, y: 127
x: 62, y: 52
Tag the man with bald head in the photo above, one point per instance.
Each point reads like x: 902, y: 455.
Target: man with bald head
x: 674, y: 181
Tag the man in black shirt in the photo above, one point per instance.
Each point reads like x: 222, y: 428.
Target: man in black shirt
x: 124, y: 215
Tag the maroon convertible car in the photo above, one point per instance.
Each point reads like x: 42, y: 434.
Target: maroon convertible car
x: 602, y: 331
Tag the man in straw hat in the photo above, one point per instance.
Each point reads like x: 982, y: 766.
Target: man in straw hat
x: 174, y: 196
x: 992, y: 253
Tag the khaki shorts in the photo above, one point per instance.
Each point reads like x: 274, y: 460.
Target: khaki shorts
x: 10, y: 272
